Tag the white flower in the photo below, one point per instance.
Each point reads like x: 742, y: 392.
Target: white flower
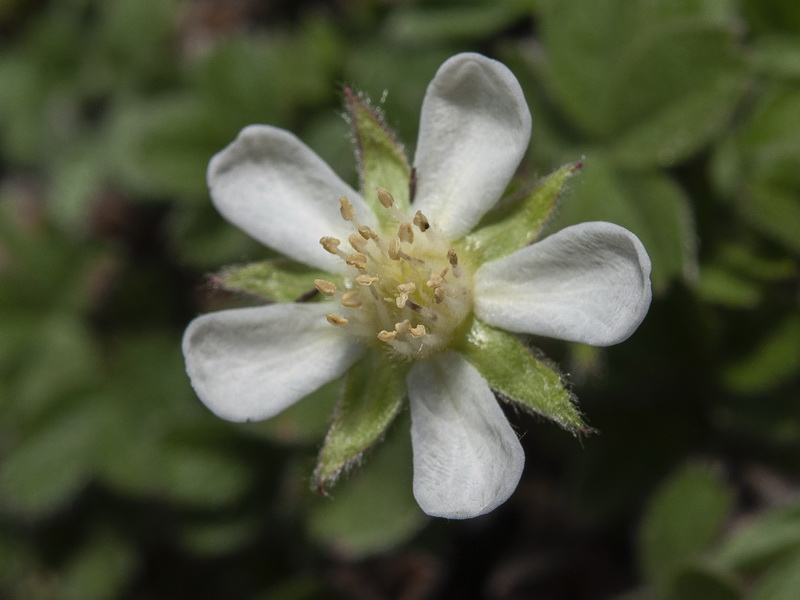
x: 404, y: 288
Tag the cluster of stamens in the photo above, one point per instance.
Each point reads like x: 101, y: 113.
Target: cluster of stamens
x: 408, y: 290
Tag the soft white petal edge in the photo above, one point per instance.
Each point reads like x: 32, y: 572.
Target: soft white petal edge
x: 474, y: 130
x: 467, y: 459
x: 249, y: 364
x: 587, y: 283
x: 275, y: 188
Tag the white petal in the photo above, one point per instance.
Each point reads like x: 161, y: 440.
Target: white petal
x: 474, y: 130
x: 275, y: 188
x: 587, y: 283
x: 467, y: 459
x: 249, y: 364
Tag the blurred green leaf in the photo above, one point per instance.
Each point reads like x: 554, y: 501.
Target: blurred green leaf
x: 98, y: 571
x: 684, y: 517
x: 703, y: 582
x: 770, y: 537
x: 426, y: 25
x: 649, y: 204
x: 781, y: 582
x: 775, y: 360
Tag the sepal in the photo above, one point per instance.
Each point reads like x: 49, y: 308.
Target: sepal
x: 381, y: 158
x: 277, y: 280
x: 519, y: 377
x: 515, y: 224
x: 371, y: 398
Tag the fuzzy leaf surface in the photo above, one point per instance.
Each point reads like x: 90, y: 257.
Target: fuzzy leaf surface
x: 515, y: 224
x: 371, y: 397
x: 277, y: 280
x: 518, y: 376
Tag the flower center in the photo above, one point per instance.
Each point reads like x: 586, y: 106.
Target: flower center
x: 407, y: 292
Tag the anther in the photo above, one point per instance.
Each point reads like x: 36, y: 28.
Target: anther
x: 357, y: 242
x: 328, y: 288
x: 405, y: 289
x: 418, y: 331
x: 357, y: 260
x: 421, y: 221
x: 452, y: 257
x: 364, y: 279
x: 335, y: 319
x: 387, y: 336
x: 404, y: 327
x: 367, y: 233
x: 435, y: 281
x: 351, y: 299
x: 331, y: 244
x: 439, y: 294
x: 405, y: 233
x: 385, y: 197
x: 346, y: 209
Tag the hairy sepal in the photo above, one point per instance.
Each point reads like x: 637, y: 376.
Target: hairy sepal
x: 279, y: 280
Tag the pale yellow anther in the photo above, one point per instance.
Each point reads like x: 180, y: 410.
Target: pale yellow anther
x: 357, y: 242
x: 405, y: 233
x: 435, y: 281
x: 394, y: 249
x: 387, y: 336
x: 367, y: 233
x: 418, y: 331
x: 401, y: 300
x: 407, y: 288
x: 421, y: 221
x: 357, y: 260
x: 439, y: 294
x: 452, y: 257
x: 328, y: 288
x: 331, y: 244
x: 346, y: 209
x: 351, y: 299
x: 336, y: 319
x: 385, y: 197
x: 404, y: 327
x: 364, y: 279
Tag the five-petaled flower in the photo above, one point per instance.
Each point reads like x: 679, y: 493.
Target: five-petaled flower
x: 413, y: 304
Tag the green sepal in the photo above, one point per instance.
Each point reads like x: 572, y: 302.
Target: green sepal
x: 515, y: 224
x: 518, y: 376
x: 372, y: 395
x: 279, y: 280
x: 381, y: 157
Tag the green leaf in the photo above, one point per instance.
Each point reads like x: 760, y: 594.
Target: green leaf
x: 781, y: 582
x: 376, y: 510
x: 775, y: 361
x: 279, y: 280
x: 518, y: 376
x: 649, y: 204
x: 769, y: 537
x: 372, y: 395
x: 703, y: 582
x: 430, y: 25
x: 99, y: 571
x: 381, y: 157
x: 684, y: 517
x: 515, y: 224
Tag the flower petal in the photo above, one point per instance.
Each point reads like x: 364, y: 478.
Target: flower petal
x: 587, y: 283
x: 249, y: 364
x: 275, y: 188
x: 467, y: 459
x: 474, y: 130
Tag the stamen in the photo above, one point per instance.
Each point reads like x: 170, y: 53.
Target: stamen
x: 357, y: 242
x: 439, y: 294
x: 418, y: 331
x: 404, y: 327
x: 346, y: 209
x: 336, y: 319
x: 364, y: 279
x: 422, y: 222
x: 452, y: 257
x: 405, y: 233
x: 385, y: 197
x: 357, y: 260
x: 327, y: 288
x: 394, y: 249
x: 351, y: 300
x: 387, y: 336
x: 331, y: 244
x: 367, y: 233
x: 405, y: 289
